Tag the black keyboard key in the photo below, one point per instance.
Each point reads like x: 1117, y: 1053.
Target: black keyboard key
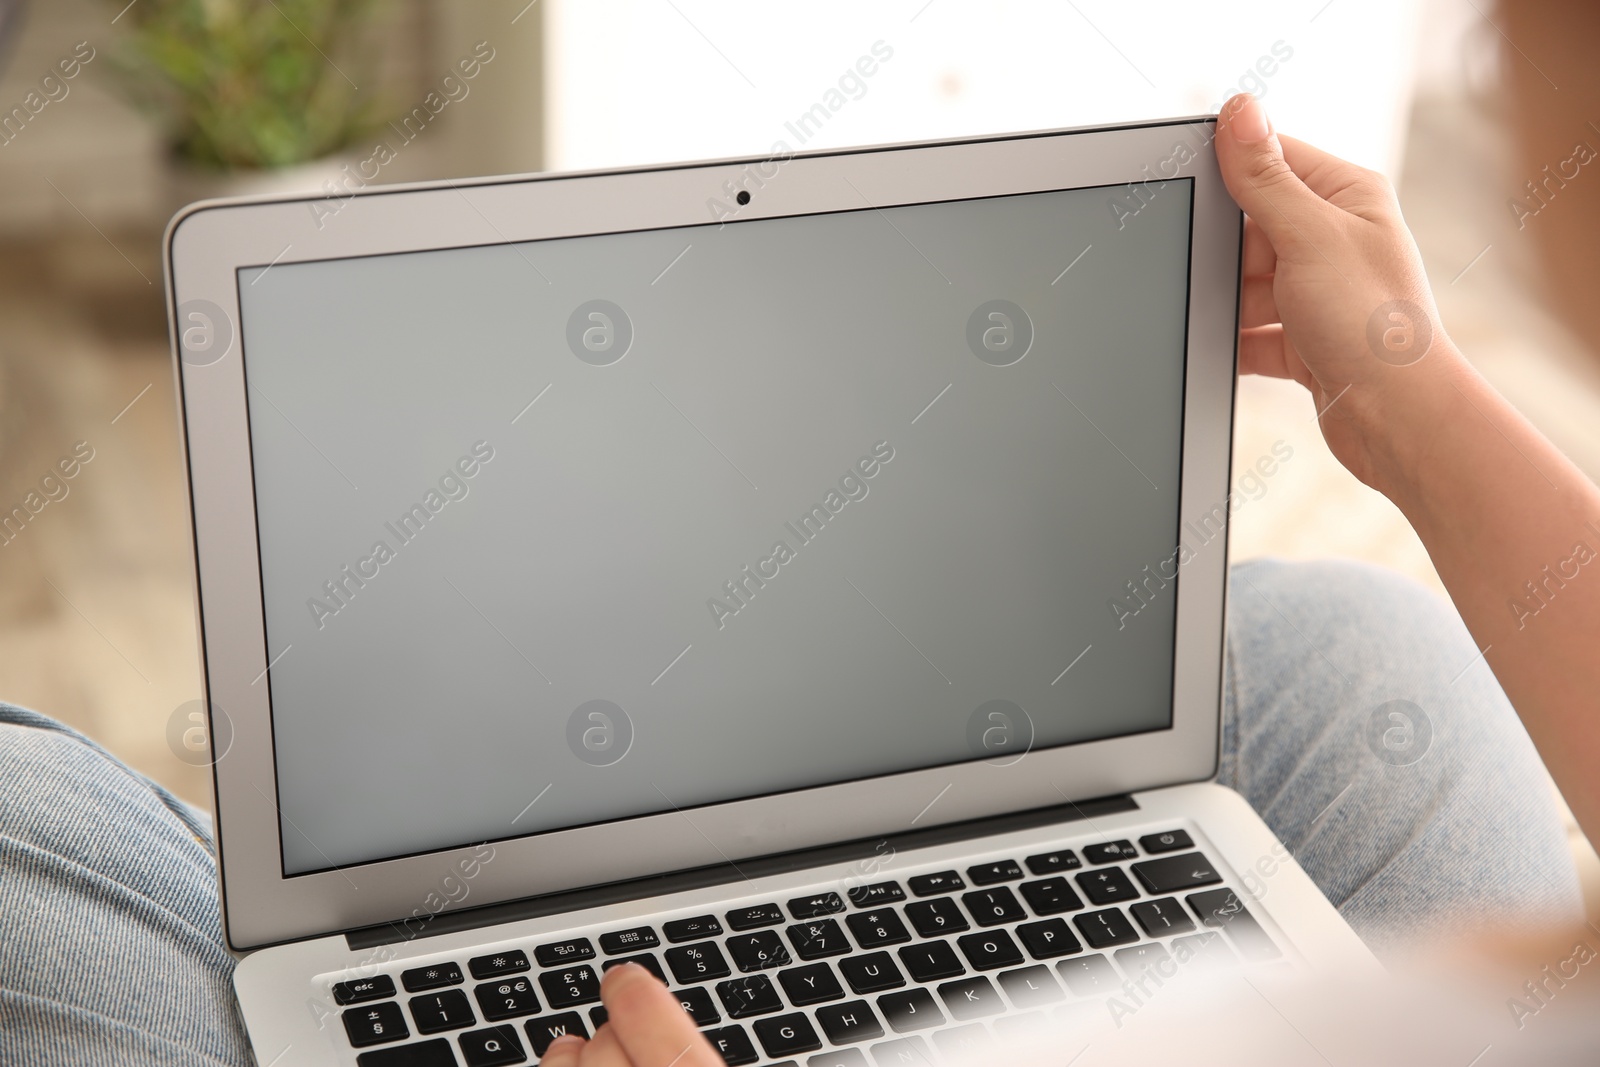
x: 433, y: 976
x: 991, y: 907
x: 814, y: 941
x: 361, y: 990
x: 1048, y: 938
x: 1171, y: 841
x: 1090, y: 976
x: 931, y: 885
x: 619, y: 941
x: 598, y: 1016
x: 375, y: 1025
x: 757, y: 952
x: 910, y: 1009
x: 903, y: 1052
x: 986, y: 951
x: 815, y: 905
x: 647, y: 960
x: 936, y: 917
x: 1053, y: 862
x: 1161, y: 917
x: 501, y: 963
x: 1221, y: 909
x: 971, y: 998
x: 754, y: 916
x: 1110, y: 852
x: 733, y: 1044
x: 570, y: 986
x: 1172, y: 874
x: 1031, y: 987
x: 870, y: 896
x: 874, y: 929
x: 744, y: 997
x: 930, y: 961
x: 507, y: 998
x: 810, y: 985
x: 692, y: 929
x: 697, y: 963
x: 698, y: 1003
x: 558, y: 953
x: 1108, y: 886
x: 993, y: 873
x: 546, y: 1028
x: 787, y: 1035
x: 872, y: 973
x: 494, y: 1047
x: 964, y: 1044
x: 437, y: 1012
x: 1050, y: 896
x: 1102, y: 929
x: 847, y: 1023
x: 435, y: 1053
x: 1136, y: 959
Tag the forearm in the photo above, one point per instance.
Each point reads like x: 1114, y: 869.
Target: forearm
x: 1513, y: 529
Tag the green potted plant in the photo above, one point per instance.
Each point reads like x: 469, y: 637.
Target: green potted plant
x: 252, y: 95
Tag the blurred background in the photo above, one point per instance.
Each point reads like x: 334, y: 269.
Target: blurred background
x: 114, y: 113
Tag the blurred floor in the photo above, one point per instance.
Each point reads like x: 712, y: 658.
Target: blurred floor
x: 96, y: 608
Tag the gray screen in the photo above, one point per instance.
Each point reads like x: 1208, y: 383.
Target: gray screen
x: 574, y: 530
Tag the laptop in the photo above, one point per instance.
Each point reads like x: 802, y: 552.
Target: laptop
x: 803, y: 576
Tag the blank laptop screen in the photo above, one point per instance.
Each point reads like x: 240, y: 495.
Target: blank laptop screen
x: 575, y: 530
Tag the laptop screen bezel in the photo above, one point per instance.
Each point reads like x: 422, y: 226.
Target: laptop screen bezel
x: 208, y: 244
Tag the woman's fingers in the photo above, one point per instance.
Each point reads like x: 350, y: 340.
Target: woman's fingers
x: 1263, y: 182
x: 647, y: 1028
x: 1261, y: 351
x: 606, y: 1051
x: 564, y: 1051
x: 1259, y: 255
x: 650, y: 1024
x: 1257, y: 304
x: 573, y: 1051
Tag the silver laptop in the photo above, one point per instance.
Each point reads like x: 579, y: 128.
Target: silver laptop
x: 803, y: 576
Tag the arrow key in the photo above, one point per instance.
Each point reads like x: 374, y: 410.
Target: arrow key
x: 1173, y: 873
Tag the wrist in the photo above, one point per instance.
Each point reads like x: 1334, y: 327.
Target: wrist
x: 1399, y: 421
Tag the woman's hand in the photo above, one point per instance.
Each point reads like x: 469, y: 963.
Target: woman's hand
x: 647, y: 1028
x: 1334, y: 295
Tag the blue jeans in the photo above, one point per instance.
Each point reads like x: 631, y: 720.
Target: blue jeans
x: 111, y: 946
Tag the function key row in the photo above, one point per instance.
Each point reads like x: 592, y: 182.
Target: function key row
x: 941, y: 882
x: 514, y: 961
x: 694, y: 929
x: 870, y: 896
x: 619, y: 941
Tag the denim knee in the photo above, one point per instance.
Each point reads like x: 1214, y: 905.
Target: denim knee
x: 113, y: 948
x: 1365, y: 726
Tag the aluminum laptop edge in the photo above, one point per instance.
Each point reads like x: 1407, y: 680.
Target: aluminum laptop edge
x: 609, y: 557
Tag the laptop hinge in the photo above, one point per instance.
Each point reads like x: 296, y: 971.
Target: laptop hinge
x: 450, y: 922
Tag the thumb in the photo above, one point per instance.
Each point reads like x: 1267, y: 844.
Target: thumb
x: 1261, y: 180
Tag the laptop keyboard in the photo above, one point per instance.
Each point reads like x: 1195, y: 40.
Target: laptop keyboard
x: 892, y: 973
